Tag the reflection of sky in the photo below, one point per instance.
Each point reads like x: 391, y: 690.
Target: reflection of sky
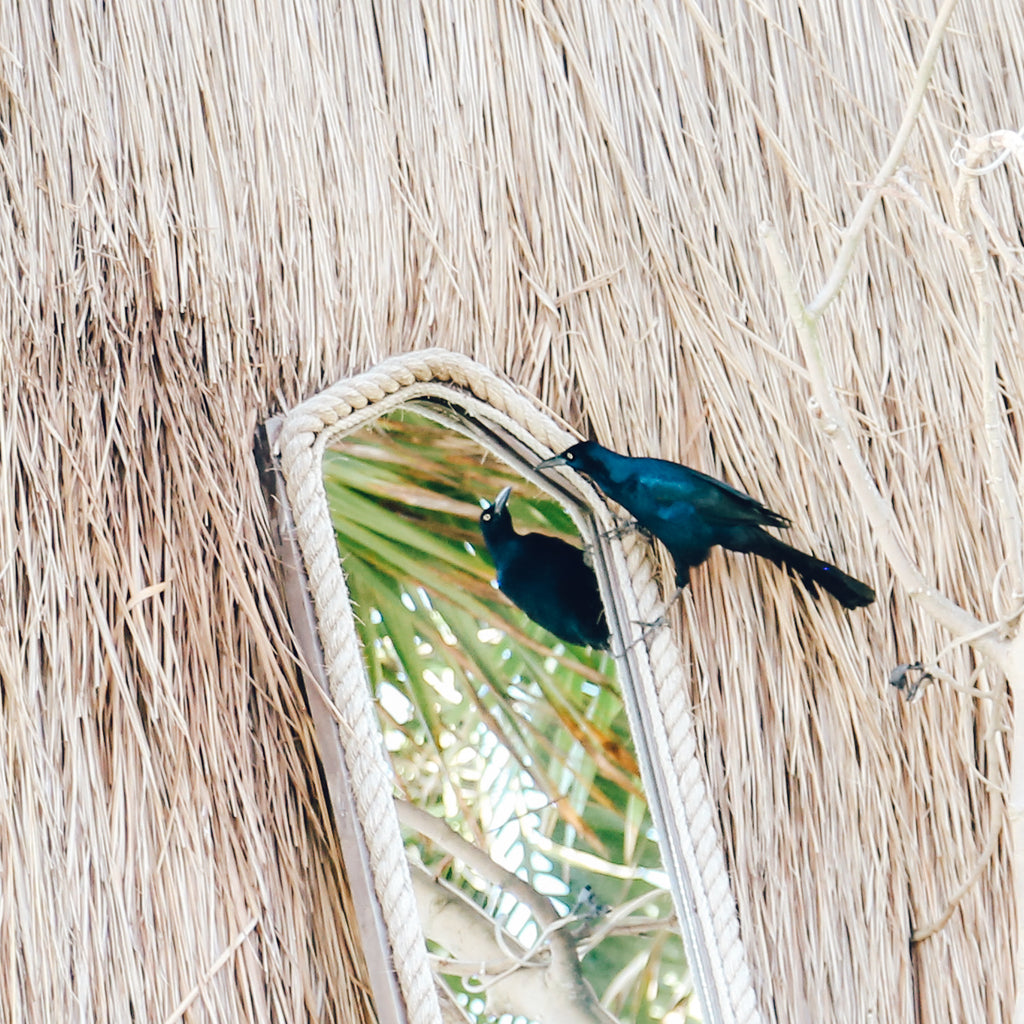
x: 510, y: 811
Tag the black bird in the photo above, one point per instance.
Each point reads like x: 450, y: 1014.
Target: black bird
x: 546, y: 577
x: 690, y: 512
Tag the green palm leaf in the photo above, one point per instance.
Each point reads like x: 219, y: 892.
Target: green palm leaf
x: 519, y: 741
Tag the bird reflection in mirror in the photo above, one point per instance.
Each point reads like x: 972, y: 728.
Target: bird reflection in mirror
x: 546, y: 577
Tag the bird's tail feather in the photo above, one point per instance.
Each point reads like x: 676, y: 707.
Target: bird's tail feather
x: 849, y: 592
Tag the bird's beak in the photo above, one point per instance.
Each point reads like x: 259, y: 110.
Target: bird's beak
x: 501, y: 500
x: 555, y: 460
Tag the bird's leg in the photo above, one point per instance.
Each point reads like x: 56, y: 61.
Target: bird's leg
x: 663, y: 617
x: 649, y: 628
x: 642, y: 638
x: 911, y: 680
x: 624, y: 527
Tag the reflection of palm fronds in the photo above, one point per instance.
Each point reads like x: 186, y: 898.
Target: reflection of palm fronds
x: 477, y: 678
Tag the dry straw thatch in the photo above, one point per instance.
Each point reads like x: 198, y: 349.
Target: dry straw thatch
x: 214, y: 209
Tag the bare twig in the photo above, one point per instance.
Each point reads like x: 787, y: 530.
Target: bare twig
x: 982, y: 274
x: 835, y: 424
x: 959, y: 621
x: 218, y: 964
x: 854, y: 234
x: 564, y: 972
x: 930, y: 929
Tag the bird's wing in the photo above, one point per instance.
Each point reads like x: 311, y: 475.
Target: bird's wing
x: 714, y: 499
x: 555, y: 551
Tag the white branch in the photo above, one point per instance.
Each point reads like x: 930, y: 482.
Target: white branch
x: 854, y: 234
x: 1007, y: 655
x: 523, y: 986
x: 834, y: 422
x: 999, y: 476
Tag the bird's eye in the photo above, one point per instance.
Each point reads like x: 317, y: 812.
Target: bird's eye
x: 569, y: 456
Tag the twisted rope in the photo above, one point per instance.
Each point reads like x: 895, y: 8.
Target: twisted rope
x: 657, y: 700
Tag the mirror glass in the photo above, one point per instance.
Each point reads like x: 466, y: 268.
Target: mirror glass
x: 527, y: 828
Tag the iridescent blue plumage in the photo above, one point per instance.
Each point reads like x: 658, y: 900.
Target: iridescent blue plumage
x: 690, y: 512
x: 546, y: 577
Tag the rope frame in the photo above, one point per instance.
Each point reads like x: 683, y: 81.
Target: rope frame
x: 455, y: 390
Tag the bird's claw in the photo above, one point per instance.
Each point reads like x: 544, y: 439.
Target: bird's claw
x: 910, y: 680
x: 623, y: 528
x: 647, y: 628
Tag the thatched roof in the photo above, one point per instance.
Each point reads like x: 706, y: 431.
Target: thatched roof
x: 212, y: 212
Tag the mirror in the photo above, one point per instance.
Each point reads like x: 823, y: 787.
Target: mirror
x: 531, y: 840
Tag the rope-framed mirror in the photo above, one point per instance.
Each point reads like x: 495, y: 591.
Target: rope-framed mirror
x: 467, y: 397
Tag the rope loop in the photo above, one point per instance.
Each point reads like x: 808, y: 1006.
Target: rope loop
x: 653, y: 674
